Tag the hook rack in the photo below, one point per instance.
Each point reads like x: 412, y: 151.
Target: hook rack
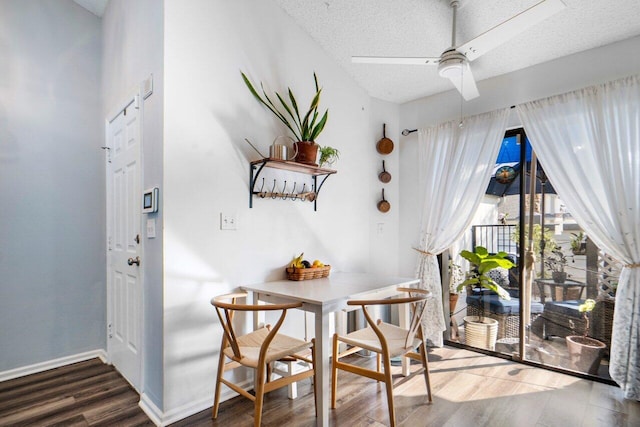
x: 304, y: 194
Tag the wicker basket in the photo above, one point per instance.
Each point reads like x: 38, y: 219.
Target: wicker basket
x: 308, y: 273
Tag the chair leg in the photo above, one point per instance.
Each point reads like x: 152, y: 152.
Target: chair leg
x: 216, y: 399
x: 315, y: 383
x: 334, y: 371
x: 259, y: 384
x: 388, y: 380
x: 425, y: 365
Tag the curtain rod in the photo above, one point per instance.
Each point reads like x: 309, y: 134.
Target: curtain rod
x: 406, y: 132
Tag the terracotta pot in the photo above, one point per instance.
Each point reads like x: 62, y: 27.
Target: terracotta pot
x: 307, y: 152
x: 585, y: 353
x: 453, y: 300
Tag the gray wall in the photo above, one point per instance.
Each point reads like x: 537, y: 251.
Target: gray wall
x: 52, y: 211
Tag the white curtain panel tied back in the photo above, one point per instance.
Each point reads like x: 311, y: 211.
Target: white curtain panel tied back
x: 589, y: 144
x: 455, y: 164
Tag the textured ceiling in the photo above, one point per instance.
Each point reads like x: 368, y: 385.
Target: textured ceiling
x: 423, y: 28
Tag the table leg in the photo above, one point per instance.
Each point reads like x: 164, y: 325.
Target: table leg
x: 258, y: 316
x: 403, y: 314
x: 323, y: 367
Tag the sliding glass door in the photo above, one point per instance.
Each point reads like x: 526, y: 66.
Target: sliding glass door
x: 565, y: 295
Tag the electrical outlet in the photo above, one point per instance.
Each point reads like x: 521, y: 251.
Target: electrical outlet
x: 227, y: 221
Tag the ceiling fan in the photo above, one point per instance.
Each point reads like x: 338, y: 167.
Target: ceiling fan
x: 453, y: 63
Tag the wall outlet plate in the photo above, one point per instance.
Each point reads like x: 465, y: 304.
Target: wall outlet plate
x: 228, y: 221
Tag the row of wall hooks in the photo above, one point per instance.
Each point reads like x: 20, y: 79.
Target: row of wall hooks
x: 302, y: 195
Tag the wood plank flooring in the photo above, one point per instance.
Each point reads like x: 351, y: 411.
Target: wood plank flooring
x: 88, y: 393
x: 469, y: 389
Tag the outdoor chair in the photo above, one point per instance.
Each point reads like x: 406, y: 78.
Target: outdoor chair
x: 257, y: 350
x: 562, y: 318
x: 506, y: 312
x: 387, y: 341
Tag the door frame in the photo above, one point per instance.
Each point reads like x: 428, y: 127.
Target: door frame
x: 132, y: 100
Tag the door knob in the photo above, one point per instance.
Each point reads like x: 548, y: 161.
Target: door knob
x: 135, y: 260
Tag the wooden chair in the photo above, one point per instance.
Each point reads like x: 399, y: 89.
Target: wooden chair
x: 387, y: 341
x: 257, y: 350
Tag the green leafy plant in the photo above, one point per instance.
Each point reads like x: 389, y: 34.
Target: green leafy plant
x: 556, y: 261
x: 328, y: 155
x: 585, y: 308
x: 484, y: 263
x: 578, y: 242
x: 549, y: 242
x: 304, y: 128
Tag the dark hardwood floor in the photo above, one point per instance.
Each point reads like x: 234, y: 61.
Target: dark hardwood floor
x: 87, y: 393
x: 470, y: 389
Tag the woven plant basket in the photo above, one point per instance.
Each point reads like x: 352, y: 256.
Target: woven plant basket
x: 480, y: 334
x: 308, y: 273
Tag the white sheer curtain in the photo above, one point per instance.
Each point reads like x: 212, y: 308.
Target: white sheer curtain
x: 455, y: 168
x: 589, y: 144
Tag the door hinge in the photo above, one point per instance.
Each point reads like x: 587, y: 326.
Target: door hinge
x: 109, y: 331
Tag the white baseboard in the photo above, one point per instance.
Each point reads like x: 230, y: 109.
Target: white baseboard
x: 153, y: 412
x: 52, y: 364
x: 160, y: 418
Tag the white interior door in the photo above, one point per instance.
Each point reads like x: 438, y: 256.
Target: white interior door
x: 124, y: 251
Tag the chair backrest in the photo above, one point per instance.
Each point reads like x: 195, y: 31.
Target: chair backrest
x: 417, y: 298
x: 226, y: 305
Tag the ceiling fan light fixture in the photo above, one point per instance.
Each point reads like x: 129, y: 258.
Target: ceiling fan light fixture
x: 450, y: 69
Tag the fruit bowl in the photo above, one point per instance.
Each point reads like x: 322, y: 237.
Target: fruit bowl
x: 294, y: 273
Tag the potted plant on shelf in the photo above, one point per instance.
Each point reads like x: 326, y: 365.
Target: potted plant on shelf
x: 585, y: 352
x: 556, y: 262
x: 305, y: 127
x: 481, y: 331
x: 328, y: 156
x: 578, y: 243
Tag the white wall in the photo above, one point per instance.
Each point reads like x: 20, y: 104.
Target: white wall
x: 133, y: 50
x: 208, y: 113
x: 560, y: 76
x: 52, y: 250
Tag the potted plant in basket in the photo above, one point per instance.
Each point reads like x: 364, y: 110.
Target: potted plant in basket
x: 305, y: 127
x: 585, y: 352
x: 481, y: 331
x: 556, y: 262
x: 578, y: 243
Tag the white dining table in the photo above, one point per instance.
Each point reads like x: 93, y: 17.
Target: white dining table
x: 322, y: 297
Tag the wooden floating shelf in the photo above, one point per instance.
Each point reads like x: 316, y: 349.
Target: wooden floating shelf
x: 293, y: 166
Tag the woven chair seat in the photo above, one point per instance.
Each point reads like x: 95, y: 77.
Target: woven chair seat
x: 281, y: 346
x: 396, y: 339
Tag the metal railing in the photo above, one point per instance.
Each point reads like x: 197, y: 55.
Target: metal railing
x: 495, y: 238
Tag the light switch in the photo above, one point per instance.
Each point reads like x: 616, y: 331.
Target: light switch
x: 151, y: 228
x: 228, y: 221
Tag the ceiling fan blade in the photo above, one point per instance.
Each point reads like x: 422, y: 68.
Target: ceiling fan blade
x: 465, y: 83
x: 394, y: 60
x: 510, y: 28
